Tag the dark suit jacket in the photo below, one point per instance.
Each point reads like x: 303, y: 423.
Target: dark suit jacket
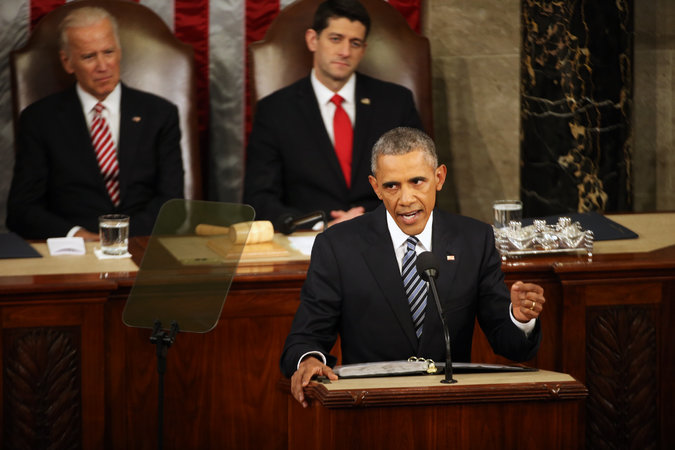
x: 354, y: 288
x: 292, y: 167
x: 57, y: 183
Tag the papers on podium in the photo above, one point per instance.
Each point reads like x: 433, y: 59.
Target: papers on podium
x: 419, y: 367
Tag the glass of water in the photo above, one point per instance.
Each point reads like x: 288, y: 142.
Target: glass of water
x: 505, y: 211
x: 113, y: 230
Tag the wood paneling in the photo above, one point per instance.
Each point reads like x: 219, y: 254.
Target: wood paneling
x: 467, y: 417
x: 607, y: 322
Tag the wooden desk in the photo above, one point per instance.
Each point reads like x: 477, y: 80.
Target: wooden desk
x: 65, y: 351
x: 532, y: 410
x: 73, y: 373
x: 608, y: 322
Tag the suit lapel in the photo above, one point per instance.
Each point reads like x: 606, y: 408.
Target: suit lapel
x: 309, y: 107
x: 131, y: 125
x: 381, y: 260
x: 77, y: 139
x: 446, y: 247
x: 363, y: 119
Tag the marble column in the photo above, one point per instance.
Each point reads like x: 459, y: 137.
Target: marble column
x: 576, y: 104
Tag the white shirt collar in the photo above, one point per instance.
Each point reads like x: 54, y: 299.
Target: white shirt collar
x: 323, y: 94
x: 111, y: 102
x: 398, y: 237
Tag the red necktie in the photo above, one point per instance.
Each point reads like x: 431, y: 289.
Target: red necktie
x: 342, y: 130
x: 106, y: 155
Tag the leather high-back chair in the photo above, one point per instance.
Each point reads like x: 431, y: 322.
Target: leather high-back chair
x: 153, y: 60
x: 395, y: 53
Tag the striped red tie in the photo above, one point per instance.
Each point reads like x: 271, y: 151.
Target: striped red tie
x: 106, y: 154
x: 343, y: 133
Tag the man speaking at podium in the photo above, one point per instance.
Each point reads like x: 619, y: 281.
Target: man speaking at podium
x: 361, y: 282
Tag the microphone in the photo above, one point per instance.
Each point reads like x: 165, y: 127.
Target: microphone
x: 427, y: 268
x: 288, y: 223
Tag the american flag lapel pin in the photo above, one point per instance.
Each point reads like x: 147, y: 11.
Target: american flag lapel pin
x: 365, y: 101
x: 136, y: 119
x: 450, y: 258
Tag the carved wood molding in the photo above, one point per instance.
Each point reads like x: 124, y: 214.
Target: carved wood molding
x: 42, y: 399
x: 621, y: 376
x: 441, y: 395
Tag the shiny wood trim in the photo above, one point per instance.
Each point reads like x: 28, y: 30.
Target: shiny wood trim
x: 566, y: 390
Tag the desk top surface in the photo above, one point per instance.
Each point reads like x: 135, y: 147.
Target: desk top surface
x: 656, y: 242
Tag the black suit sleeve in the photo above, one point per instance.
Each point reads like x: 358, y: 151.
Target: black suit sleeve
x: 28, y: 212
x: 505, y: 337
x: 264, y: 182
x: 164, y: 143
x: 316, y: 322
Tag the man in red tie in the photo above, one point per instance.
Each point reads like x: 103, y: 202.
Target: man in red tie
x: 99, y: 147
x: 310, y: 145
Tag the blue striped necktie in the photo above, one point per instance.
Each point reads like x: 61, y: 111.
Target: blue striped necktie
x: 415, y: 288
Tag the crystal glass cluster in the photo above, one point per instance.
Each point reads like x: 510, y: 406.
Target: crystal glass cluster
x: 540, y: 238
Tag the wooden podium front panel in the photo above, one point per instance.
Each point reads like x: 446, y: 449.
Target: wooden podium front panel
x: 533, y: 415
x: 513, y: 425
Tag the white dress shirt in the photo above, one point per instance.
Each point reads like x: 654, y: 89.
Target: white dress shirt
x: 111, y: 113
x: 327, y: 108
x: 398, y: 239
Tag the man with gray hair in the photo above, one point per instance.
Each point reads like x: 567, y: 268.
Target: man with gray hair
x: 363, y: 285
x: 98, y: 147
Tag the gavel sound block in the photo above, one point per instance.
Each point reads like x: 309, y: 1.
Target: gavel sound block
x: 257, y: 238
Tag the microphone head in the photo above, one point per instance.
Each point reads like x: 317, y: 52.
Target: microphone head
x: 284, y: 223
x: 427, y: 266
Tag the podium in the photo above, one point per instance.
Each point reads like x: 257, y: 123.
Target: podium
x: 523, y: 410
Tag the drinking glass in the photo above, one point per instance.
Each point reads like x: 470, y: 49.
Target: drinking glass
x: 113, y: 231
x: 505, y: 211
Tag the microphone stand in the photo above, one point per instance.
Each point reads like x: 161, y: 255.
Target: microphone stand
x: 427, y: 268
x: 448, y: 360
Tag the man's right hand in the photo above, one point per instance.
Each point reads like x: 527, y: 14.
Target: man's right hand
x: 341, y: 216
x: 86, y: 235
x: 309, y: 367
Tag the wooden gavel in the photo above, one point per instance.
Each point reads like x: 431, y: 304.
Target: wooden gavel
x: 254, y: 232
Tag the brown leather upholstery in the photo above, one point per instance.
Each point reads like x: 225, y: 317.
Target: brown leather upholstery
x: 395, y: 53
x: 153, y: 60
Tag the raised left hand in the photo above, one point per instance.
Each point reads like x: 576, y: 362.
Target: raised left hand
x: 527, y: 300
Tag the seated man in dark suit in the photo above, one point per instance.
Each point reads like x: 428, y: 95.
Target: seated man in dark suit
x: 355, y: 285
x: 99, y: 147
x: 308, y: 152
